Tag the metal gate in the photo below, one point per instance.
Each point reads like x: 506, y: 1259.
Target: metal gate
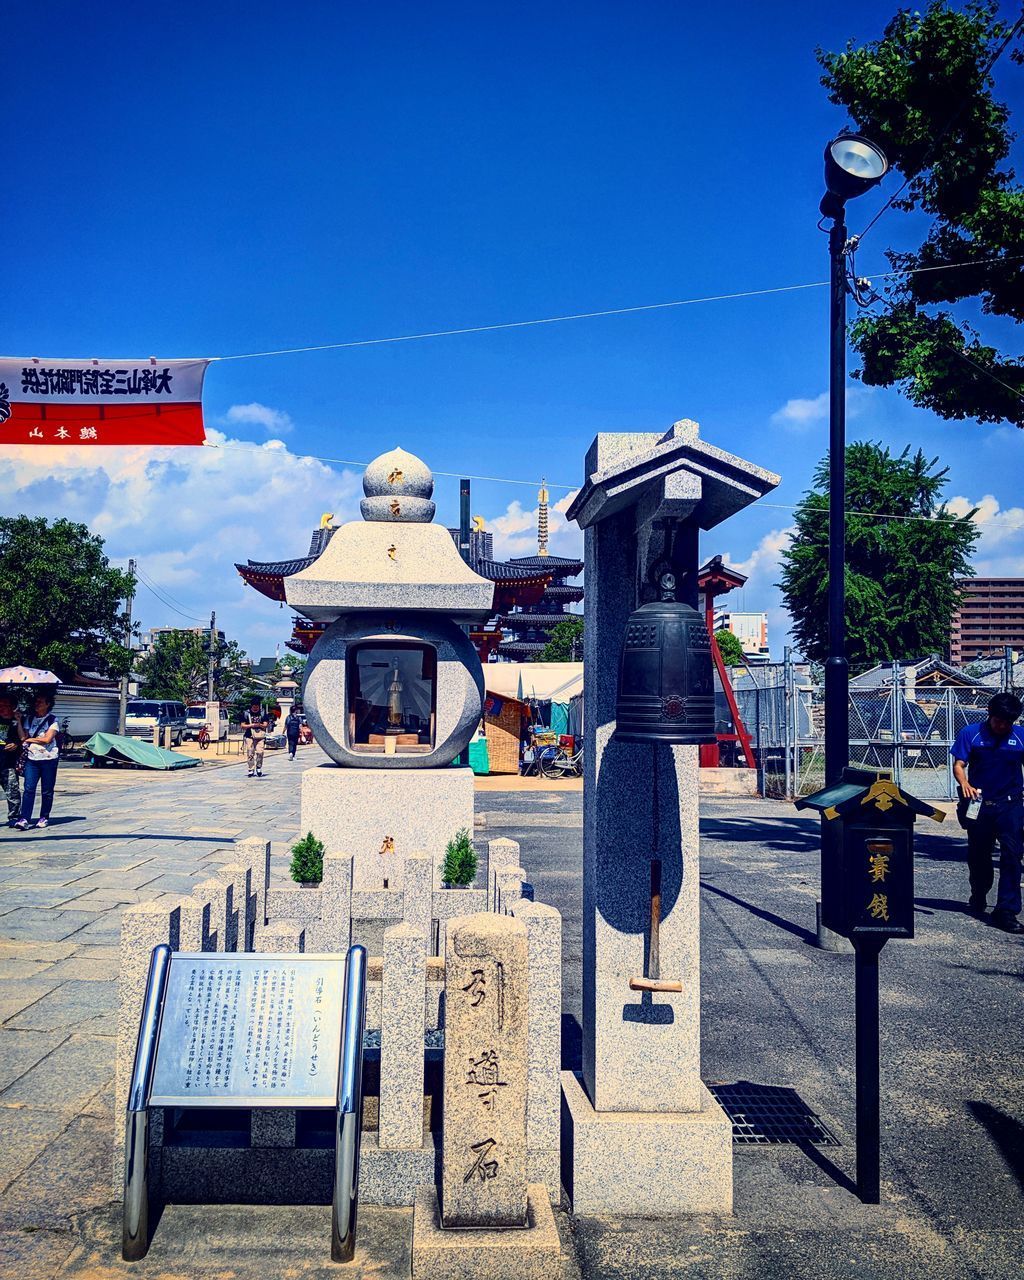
x: 908, y: 730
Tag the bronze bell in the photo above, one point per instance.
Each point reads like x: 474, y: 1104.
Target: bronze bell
x: 666, y: 681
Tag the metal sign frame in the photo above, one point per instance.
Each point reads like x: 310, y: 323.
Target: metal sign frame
x: 347, y: 1098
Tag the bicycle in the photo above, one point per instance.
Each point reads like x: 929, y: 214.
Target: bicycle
x: 559, y: 763
x: 204, y: 737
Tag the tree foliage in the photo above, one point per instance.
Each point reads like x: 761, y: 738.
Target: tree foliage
x: 178, y: 667
x: 924, y: 93
x: 62, y: 603
x: 901, y: 568
x: 730, y: 648
x: 565, y: 643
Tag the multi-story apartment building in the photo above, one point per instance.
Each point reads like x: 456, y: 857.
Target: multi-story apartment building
x: 990, y: 617
x: 750, y: 629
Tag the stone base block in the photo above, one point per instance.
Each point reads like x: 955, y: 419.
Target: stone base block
x: 728, y: 782
x: 356, y: 811
x: 656, y: 1164
x: 275, y: 1173
x: 533, y: 1252
x: 392, y: 1178
x: 544, y: 1165
x: 829, y: 940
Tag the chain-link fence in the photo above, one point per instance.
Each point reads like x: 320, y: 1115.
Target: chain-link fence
x: 896, y: 723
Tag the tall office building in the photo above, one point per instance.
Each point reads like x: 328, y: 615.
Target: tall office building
x: 990, y: 617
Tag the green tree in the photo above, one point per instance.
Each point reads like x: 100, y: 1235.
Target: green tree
x: 924, y: 93
x: 730, y: 649
x: 176, y: 667
x: 901, y: 567
x: 62, y: 603
x: 565, y: 643
x: 179, y: 663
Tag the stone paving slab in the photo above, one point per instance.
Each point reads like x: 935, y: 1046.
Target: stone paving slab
x: 67, y: 1078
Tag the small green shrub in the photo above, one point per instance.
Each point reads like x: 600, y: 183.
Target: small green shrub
x: 308, y: 859
x: 459, y: 860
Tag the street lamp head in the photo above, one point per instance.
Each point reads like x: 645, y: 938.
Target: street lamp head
x: 853, y: 165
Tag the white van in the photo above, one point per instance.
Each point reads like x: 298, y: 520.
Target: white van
x: 142, y: 715
x: 196, y: 717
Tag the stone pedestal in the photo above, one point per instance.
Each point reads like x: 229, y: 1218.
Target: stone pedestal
x: 358, y: 811
x: 652, y: 1163
x: 533, y: 1253
x: 483, y: 1167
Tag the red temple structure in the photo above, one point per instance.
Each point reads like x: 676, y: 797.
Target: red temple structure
x: 713, y: 580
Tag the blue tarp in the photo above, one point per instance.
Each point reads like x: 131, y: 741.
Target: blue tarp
x: 136, y: 751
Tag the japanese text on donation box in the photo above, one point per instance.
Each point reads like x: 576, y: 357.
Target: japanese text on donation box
x: 250, y: 1030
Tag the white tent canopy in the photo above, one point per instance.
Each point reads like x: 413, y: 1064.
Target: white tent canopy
x: 542, y: 681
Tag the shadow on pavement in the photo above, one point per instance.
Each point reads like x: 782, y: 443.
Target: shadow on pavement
x: 1006, y: 1132
x: 792, y: 835
x: 798, y: 931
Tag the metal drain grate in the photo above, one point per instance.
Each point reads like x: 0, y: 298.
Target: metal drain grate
x: 763, y: 1115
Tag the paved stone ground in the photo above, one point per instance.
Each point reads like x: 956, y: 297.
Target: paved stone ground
x: 777, y: 1012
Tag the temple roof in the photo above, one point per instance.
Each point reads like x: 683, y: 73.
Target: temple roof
x: 555, y: 565
x: 527, y: 621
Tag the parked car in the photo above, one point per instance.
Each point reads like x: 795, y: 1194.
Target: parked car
x: 142, y: 715
x: 196, y: 717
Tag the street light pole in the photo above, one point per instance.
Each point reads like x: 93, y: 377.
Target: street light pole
x: 837, y: 671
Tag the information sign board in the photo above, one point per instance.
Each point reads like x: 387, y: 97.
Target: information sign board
x: 248, y: 1030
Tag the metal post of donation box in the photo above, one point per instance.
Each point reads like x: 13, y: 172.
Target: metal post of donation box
x: 248, y: 1030
x: 867, y: 895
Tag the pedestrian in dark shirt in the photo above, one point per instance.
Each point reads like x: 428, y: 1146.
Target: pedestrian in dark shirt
x: 988, y: 764
x: 292, y: 727
x: 10, y: 750
x: 255, y: 726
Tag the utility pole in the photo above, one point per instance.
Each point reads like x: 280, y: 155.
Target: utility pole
x: 122, y: 703
x: 211, y: 670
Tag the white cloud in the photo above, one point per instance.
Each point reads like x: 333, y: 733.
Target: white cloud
x: 273, y: 421
x: 999, y: 551
x: 800, y: 415
x: 763, y: 563
x: 186, y: 515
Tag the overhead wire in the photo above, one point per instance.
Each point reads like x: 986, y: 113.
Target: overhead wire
x: 587, y: 315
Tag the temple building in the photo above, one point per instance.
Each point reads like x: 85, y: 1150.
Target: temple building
x: 531, y: 593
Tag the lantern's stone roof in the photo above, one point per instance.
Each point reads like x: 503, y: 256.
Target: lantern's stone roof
x: 394, y: 559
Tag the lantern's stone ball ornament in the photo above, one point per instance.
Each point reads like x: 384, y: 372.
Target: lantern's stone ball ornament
x: 394, y: 682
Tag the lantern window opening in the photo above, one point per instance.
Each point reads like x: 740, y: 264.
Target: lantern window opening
x: 392, y: 697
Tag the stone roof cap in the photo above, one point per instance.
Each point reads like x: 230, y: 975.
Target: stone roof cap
x: 622, y: 468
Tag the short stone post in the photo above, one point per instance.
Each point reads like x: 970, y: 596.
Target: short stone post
x: 336, y: 903
x: 544, y: 993
x: 254, y: 853
x: 501, y: 854
x: 508, y: 884
x: 483, y: 1170
x: 215, y: 894
x: 403, y: 992
x: 418, y: 894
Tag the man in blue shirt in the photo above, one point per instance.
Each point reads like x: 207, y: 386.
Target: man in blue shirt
x: 988, y: 763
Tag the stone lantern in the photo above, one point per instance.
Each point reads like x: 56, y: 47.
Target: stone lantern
x: 393, y: 689
x: 285, y: 690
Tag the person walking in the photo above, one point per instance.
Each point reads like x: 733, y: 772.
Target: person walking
x: 292, y: 728
x: 10, y: 750
x: 255, y: 726
x: 38, y: 734
x: 988, y: 764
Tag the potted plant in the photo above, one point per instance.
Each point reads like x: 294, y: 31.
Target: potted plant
x: 308, y: 861
x: 459, y: 869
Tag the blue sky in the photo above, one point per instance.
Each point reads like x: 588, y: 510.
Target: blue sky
x: 209, y: 180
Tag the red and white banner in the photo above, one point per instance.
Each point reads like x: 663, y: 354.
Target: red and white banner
x: 101, y: 401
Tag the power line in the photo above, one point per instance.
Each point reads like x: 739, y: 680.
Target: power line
x: 166, y: 603
x: 946, y: 128
x: 588, y: 315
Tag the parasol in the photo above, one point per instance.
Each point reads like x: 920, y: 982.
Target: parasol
x: 27, y: 675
